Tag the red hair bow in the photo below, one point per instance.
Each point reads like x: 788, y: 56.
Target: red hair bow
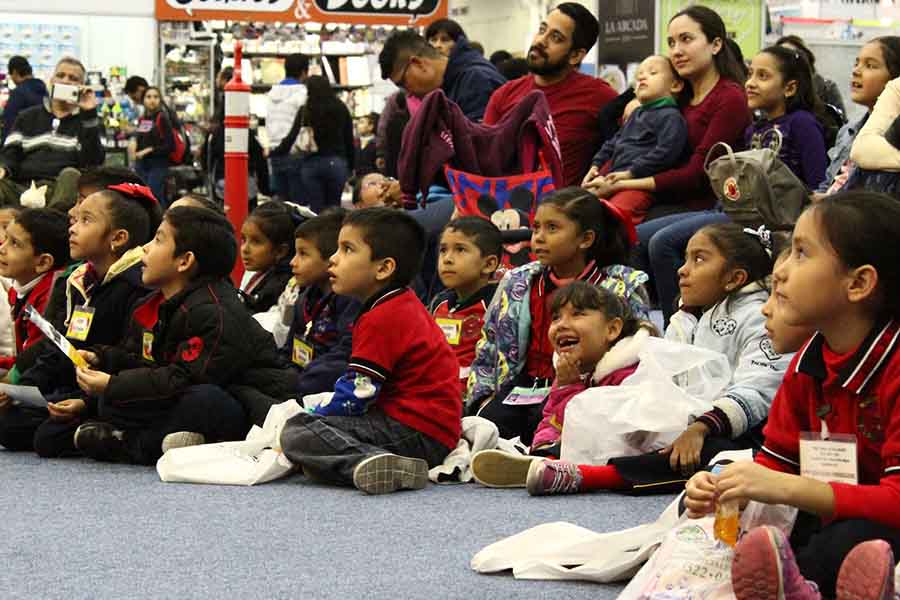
x: 133, y: 190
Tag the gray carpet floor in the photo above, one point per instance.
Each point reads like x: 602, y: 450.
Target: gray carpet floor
x: 78, y: 529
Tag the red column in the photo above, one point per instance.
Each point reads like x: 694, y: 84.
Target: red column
x: 237, y: 132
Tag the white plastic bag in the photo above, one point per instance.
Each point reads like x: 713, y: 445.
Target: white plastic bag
x: 258, y: 459
x: 649, y: 409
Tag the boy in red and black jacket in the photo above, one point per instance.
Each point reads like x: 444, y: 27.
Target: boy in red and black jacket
x: 396, y: 411
x: 468, y: 256
x: 191, y: 354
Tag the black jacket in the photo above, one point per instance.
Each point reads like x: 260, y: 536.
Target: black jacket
x: 30, y: 92
x: 200, y: 336
x: 266, y: 293
x: 155, y: 131
x: 333, y: 132
x: 113, y: 301
x: 36, y: 150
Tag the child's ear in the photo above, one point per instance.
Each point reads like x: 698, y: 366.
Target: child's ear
x: 282, y: 251
x: 862, y: 283
x: 44, y: 263
x: 386, y: 269
x: 489, y: 265
x: 677, y: 87
x: 614, y: 329
x: 790, y: 88
x: 119, y: 241
x: 587, y: 239
x: 737, y: 279
x: 186, y: 262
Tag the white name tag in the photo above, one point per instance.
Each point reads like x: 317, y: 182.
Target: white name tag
x: 831, y: 459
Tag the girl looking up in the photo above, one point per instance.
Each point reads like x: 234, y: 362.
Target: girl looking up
x: 267, y: 238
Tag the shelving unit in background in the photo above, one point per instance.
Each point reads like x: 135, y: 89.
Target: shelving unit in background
x: 187, y: 78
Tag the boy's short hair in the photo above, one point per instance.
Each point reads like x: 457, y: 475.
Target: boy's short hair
x: 132, y: 215
x: 208, y: 235
x: 323, y: 230
x: 103, y: 177
x: 202, y: 201
x: 295, y: 65
x: 392, y: 233
x: 49, y: 232
x: 483, y: 233
x: 20, y: 65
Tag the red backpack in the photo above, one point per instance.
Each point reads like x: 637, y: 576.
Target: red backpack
x: 177, y: 155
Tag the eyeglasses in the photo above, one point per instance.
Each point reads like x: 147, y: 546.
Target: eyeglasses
x: 401, y: 81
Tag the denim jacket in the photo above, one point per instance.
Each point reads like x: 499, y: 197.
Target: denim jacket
x: 840, y: 152
x: 501, y: 352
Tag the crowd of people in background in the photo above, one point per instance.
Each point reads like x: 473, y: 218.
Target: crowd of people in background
x: 402, y: 310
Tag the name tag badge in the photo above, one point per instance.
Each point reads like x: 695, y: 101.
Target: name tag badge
x: 829, y: 458
x: 525, y: 396
x: 452, y: 329
x: 147, y: 346
x: 302, y: 353
x: 80, y: 323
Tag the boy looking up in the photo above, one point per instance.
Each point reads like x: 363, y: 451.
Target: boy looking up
x: 396, y: 411
x: 468, y: 256
x: 165, y: 386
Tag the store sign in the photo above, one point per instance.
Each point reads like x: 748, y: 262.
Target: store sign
x: 363, y: 12
x: 744, y: 21
x: 626, y: 31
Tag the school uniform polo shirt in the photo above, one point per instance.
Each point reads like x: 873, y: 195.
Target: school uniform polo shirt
x: 855, y: 394
x: 397, y: 342
x: 462, y: 322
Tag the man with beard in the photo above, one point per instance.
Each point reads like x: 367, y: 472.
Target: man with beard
x: 561, y: 43
x: 466, y: 77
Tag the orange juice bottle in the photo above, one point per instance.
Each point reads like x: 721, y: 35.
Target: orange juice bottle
x: 728, y: 516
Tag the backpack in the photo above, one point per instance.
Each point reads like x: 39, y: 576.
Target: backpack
x: 182, y: 152
x: 755, y: 187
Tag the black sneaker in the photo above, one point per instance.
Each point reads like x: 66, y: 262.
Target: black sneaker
x: 101, y: 441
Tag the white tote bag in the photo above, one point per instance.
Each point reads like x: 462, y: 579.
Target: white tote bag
x: 649, y: 409
x: 257, y: 459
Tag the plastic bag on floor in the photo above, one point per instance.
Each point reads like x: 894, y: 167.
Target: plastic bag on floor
x: 257, y: 459
x: 649, y: 409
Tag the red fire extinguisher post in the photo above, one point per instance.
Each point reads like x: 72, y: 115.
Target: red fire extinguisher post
x: 237, y: 131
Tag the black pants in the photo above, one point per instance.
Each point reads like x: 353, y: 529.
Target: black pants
x: 329, y: 448
x: 652, y: 473
x: 820, y: 550
x: 17, y: 427
x: 513, y: 419
x: 205, y: 409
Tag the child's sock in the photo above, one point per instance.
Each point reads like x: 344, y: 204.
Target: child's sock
x: 604, y: 477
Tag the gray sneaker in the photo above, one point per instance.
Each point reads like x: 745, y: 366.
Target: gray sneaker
x: 386, y: 473
x: 182, y: 439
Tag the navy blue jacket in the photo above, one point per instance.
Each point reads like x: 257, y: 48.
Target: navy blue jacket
x: 27, y: 94
x: 470, y: 79
x: 652, y: 140
x: 326, y: 324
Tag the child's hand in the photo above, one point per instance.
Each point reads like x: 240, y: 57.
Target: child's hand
x: 592, y: 174
x: 568, y: 369
x: 91, y: 381
x: 66, y: 410
x: 700, y: 495
x: 5, y: 402
x: 89, y: 357
x: 618, y: 176
x: 684, y: 453
x: 746, y: 480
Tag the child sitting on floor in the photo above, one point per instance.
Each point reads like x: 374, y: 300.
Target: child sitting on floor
x: 396, y: 411
x: 35, y: 251
x: 597, y: 342
x: 319, y: 340
x: 164, y: 386
x: 832, y: 441
x: 575, y: 238
x: 468, y: 256
x: 654, y: 138
x: 266, y: 242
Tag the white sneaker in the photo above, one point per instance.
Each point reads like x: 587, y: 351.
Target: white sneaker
x: 386, y: 473
x: 499, y: 469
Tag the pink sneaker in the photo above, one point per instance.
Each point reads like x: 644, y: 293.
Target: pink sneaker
x: 546, y: 477
x: 764, y: 569
x: 867, y: 572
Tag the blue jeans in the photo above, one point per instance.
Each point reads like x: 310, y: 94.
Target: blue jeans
x: 323, y: 181
x: 286, y: 178
x: 154, y: 175
x: 660, y: 251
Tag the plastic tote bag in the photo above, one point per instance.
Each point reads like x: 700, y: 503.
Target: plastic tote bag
x: 257, y: 459
x: 650, y: 408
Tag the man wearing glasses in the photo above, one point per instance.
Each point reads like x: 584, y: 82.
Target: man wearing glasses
x: 466, y: 77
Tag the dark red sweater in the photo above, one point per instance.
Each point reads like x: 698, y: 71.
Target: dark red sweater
x: 575, y: 104
x: 721, y: 117
x: 857, y: 393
